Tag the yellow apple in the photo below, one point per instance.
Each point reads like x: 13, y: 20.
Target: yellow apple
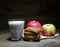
x: 48, y: 30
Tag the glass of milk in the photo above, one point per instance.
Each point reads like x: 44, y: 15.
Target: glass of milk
x: 16, y: 28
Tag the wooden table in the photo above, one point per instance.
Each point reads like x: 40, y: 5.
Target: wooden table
x: 4, y: 42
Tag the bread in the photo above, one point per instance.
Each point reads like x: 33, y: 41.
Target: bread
x: 32, y: 33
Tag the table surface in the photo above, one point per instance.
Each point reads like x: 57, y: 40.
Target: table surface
x: 4, y: 42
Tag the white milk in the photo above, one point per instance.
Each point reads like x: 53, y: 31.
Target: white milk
x: 16, y: 29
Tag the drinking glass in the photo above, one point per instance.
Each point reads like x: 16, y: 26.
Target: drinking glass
x: 16, y: 27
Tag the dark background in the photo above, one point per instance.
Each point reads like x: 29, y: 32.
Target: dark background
x: 45, y: 11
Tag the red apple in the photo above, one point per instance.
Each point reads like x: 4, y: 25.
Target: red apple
x: 48, y: 30
x: 34, y: 23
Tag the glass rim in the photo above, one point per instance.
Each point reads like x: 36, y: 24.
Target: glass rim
x: 16, y: 20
